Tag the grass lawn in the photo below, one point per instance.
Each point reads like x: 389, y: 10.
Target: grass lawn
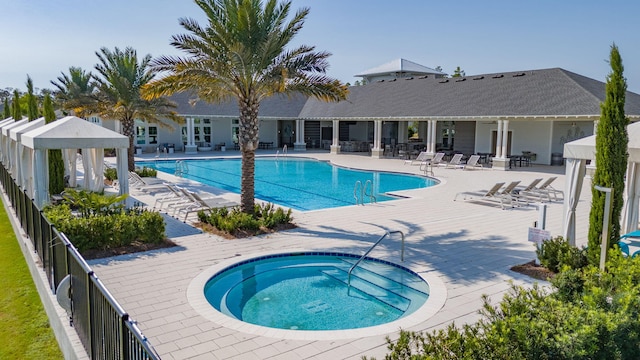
x: 24, y: 325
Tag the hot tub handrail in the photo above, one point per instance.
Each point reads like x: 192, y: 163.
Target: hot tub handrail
x: 387, y: 233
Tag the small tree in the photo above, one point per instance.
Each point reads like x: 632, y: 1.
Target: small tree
x: 7, y: 109
x: 458, y: 72
x: 17, y: 111
x: 32, y: 104
x: 611, y: 158
x: 56, y: 164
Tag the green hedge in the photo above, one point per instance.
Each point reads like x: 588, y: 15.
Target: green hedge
x: 234, y: 220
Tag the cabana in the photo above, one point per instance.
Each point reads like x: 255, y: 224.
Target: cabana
x: 21, y: 164
x: 577, y: 153
x: 70, y: 134
x: 5, y: 140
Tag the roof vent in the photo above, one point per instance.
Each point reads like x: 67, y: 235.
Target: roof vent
x: 518, y: 74
x: 409, y: 78
x: 381, y: 80
x: 497, y: 76
x: 461, y: 80
x: 478, y: 78
x: 443, y: 81
x: 423, y: 77
x: 392, y: 80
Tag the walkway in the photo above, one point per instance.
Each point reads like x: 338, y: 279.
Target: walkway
x: 468, y: 247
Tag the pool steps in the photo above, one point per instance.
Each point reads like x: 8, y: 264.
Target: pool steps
x: 370, y: 287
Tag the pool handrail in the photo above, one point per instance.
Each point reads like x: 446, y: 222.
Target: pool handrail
x: 387, y: 233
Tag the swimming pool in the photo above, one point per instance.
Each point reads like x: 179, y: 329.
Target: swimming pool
x: 298, y: 183
x: 308, y: 291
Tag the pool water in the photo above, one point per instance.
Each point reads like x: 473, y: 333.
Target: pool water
x: 309, y: 292
x: 301, y: 184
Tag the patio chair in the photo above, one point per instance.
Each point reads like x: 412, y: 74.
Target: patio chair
x: 455, y: 162
x: 175, y: 195
x: 492, y: 195
x: 145, y: 185
x: 509, y: 193
x: 473, y: 163
x: 546, y: 190
x: 200, y: 203
x: 527, y: 193
x: 423, y: 156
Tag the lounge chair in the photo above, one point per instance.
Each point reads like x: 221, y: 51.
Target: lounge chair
x: 173, y: 195
x: 509, y: 193
x: 546, y: 190
x: 527, y: 193
x: 200, y: 203
x: 455, y: 162
x: 492, y: 195
x: 423, y: 156
x: 473, y: 163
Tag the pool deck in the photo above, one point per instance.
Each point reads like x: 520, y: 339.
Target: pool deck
x: 468, y: 247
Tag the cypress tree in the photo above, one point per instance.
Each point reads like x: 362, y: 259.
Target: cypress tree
x: 611, y: 158
x: 17, y: 111
x: 32, y: 104
x: 56, y: 164
x: 7, y: 109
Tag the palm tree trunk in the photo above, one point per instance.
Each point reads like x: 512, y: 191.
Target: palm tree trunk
x: 127, y: 130
x: 248, y: 139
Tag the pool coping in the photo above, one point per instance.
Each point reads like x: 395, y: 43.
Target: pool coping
x: 197, y: 300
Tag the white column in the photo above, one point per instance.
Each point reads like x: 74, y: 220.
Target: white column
x: 377, y: 150
x: 300, y: 144
x: 41, y: 186
x: 498, y: 148
x: 434, y: 135
x: 335, y: 146
x: 191, y: 147
x: 505, y: 138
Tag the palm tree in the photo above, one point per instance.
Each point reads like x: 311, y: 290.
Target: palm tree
x: 121, y: 78
x: 76, y: 91
x: 242, y: 54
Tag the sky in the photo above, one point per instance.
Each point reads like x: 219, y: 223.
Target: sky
x: 43, y: 38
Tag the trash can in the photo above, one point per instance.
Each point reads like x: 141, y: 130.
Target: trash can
x: 557, y: 159
x: 138, y: 150
x: 171, y: 148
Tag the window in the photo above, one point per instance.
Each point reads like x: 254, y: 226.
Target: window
x: 235, y: 130
x: 95, y: 119
x: 141, y: 133
x: 153, y: 134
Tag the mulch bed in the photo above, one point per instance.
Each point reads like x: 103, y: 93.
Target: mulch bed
x: 242, y: 233
x: 122, y: 250
x: 534, y: 270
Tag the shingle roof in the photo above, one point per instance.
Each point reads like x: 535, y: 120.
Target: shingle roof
x: 546, y: 92
x: 279, y: 106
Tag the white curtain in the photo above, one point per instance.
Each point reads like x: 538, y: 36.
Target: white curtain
x: 632, y: 198
x: 41, y: 185
x: 13, y: 153
x: 93, y: 163
x: 69, y: 157
x: 575, y: 172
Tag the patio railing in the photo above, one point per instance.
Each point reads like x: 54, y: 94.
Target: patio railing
x: 105, y: 330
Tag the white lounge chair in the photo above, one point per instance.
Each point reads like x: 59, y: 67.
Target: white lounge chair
x: 545, y: 190
x: 423, y: 156
x: 492, y: 195
x: 455, y: 162
x: 473, y: 163
x: 202, y: 204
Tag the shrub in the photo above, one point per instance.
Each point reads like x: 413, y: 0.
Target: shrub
x: 111, y: 174
x: 555, y: 253
x: 93, y: 227
x: 233, y: 221
x: 147, y: 172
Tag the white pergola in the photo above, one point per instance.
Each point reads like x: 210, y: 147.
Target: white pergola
x: 22, y: 165
x: 577, y: 153
x: 70, y: 134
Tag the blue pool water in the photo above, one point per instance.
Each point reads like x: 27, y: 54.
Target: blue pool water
x: 301, y: 184
x: 308, y: 291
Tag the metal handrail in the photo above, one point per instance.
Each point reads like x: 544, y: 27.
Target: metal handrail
x: 387, y: 233
x: 372, y: 198
x: 358, y: 185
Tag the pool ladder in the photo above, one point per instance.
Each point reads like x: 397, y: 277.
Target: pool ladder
x: 386, y: 234
x: 285, y: 152
x: 363, y: 192
x: 181, y: 168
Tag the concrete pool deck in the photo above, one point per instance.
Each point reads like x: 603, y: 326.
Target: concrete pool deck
x: 469, y: 247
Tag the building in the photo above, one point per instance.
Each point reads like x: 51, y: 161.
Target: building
x: 499, y: 115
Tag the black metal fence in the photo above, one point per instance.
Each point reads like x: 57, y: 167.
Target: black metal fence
x: 104, y: 328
